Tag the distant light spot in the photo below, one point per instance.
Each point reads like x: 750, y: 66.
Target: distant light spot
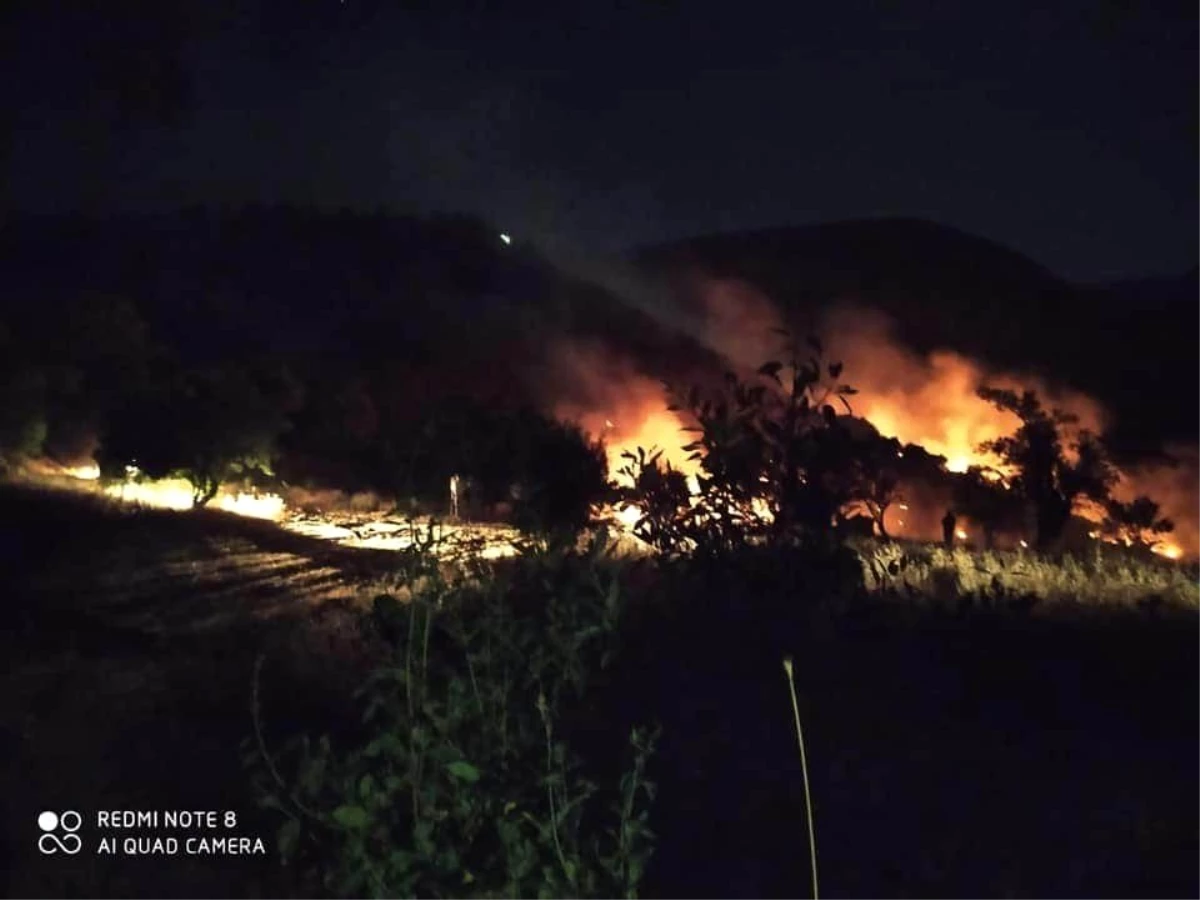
x: 506, y: 238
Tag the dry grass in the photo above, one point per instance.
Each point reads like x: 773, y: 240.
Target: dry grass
x: 1108, y: 576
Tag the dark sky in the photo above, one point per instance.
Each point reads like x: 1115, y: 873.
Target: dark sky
x: 1067, y: 131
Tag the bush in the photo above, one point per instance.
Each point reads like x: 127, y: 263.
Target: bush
x: 210, y: 426
x: 561, y: 476
x: 465, y: 780
x: 773, y: 455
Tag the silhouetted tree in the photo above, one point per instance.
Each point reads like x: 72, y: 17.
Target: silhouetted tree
x: 548, y: 472
x: 561, y: 475
x: 879, y: 471
x: 1045, y: 478
x: 661, y: 496
x: 878, y: 479
x: 981, y: 495
x: 23, y: 425
x: 100, y: 351
x: 772, y: 463
x: 210, y: 426
x: 1136, y: 523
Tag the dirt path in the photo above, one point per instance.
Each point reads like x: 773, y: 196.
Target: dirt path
x: 130, y: 647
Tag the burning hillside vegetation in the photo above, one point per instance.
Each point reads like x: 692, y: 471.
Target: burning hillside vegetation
x: 929, y: 403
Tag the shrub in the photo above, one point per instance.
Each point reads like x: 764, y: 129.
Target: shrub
x: 465, y: 780
x: 773, y: 454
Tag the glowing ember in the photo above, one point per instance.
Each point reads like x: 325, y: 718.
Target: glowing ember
x: 175, y: 493
x: 958, y: 464
x: 166, y: 494
x: 451, y: 540
x: 960, y: 534
x: 628, y: 516
x: 256, y: 506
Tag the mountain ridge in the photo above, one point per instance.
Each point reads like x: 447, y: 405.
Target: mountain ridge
x: 946, y: 289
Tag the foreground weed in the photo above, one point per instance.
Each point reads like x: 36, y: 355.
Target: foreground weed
x: 812, y: 840
x: 460, y: 784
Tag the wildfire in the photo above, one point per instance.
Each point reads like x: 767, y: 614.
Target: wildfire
x: 932, y: 401
x: 927, y: 400
x: 628, y: 516
x: 256, y: 506
x: 176, y: 493
x: 619, y: 405
x: 958, y: 463
x: 173, y: 493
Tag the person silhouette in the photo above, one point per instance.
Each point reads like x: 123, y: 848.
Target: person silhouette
x: 948, y: 523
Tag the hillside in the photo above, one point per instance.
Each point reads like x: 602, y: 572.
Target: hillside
x: 950, y: 290
x: 409, y: 312
x: 434, y: 306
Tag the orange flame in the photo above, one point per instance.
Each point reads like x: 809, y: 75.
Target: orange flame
x: 930, y: 401
x: 933, y: 401
x: 620, y: 406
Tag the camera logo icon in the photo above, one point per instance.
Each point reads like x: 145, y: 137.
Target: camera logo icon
x: 58, y: 832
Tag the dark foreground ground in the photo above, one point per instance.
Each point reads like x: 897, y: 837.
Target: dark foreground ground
x: 995, y: 755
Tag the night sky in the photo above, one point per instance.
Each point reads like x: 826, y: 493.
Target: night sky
x: 1066, y: 131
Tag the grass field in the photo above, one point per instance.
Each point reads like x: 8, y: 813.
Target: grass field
x: 989, y: 754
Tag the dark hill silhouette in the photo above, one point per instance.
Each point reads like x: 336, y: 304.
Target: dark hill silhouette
x: 439, y: 304
x: 945, y: 288
x: 1132, y: 346
x: 867, y: 251
x: 1161, y: 292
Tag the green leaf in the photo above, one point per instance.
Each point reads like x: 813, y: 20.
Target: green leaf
x: 463, y: 771
x: 288, y: 838
x: 351, y: 817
